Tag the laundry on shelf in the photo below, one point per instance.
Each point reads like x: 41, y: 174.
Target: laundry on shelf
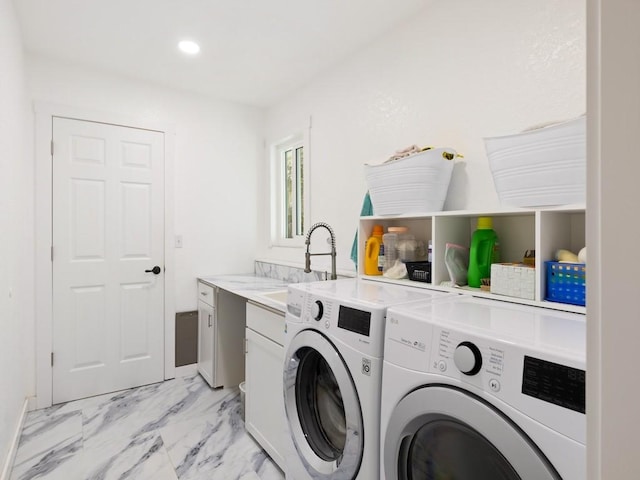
x: 405, y: 152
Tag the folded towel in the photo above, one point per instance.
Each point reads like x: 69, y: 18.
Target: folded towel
x: 405, y: 152
x: 366, y: 211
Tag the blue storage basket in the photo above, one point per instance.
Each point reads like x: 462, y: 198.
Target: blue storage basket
x: 566, y: 282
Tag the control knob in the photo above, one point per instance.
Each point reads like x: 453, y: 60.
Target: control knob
x: 468, y: 358
x: 317, y: 309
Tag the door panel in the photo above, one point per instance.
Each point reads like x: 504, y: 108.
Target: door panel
x: 136, y: 221
x: 134, y: 321
x: 88, y: 218
x: 108, y: 228
x: 88, y: 327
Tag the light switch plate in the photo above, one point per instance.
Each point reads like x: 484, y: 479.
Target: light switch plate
x: 178, y: 241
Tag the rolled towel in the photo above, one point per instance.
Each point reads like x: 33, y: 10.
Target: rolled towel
x: 405, y: 152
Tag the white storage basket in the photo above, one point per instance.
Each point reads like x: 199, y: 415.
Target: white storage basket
x: 415, y: 184
x: 545, y: 166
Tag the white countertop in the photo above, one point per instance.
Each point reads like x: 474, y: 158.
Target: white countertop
x: 249, y: 286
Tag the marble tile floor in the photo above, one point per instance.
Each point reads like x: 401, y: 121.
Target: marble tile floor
x: 178, y: 429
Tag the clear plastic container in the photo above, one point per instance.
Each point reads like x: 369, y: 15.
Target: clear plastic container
x: 390, y: 242
x: 407, y: 247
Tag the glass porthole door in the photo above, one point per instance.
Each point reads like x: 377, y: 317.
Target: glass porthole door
x: 322, y: 408
x: 441, y: 432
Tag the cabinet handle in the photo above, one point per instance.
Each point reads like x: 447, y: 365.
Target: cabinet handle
x: 210, y: 320
x: 204, y: 293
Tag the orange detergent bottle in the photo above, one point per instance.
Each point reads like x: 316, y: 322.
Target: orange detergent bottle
x: 373, y: 252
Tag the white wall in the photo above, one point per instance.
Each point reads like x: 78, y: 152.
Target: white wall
x: 216, y: 148
x: 458, y: 72
x: 16, y: 235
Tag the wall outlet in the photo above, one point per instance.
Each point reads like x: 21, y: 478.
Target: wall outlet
x: 178, y: 241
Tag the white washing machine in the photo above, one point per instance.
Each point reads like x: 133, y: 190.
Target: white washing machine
x: 333, y: 373
x: 484, y: 390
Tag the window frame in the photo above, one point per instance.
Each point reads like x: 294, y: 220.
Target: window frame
x: 277, y: 193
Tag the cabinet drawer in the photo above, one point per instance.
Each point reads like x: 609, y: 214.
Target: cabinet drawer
x: 266, y: 322
x: 205, y: 293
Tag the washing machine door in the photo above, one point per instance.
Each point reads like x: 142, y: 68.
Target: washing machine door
x: 444, y: 432
x: 322, y: 407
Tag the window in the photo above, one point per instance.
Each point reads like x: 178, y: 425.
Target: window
x: 289, y: 198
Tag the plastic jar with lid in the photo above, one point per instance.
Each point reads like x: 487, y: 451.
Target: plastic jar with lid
x: 406, y: 244
x: 390, y: 242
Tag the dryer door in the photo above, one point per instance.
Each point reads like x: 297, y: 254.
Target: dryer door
x: 323, y: 409
x: 444, y: 432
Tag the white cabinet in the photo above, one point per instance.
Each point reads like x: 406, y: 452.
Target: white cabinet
x: 221, y: 322
x: 206, y: 339
x: 264, y: 402
x: 544, y: 230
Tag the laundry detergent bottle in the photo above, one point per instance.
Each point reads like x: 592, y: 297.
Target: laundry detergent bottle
x: 483, y: 252
x: 374, y: 252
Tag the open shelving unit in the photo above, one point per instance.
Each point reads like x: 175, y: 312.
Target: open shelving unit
x: 544, y: 230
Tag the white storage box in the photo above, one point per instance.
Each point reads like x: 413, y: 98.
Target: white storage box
x: 514, y: 280
x: 544, y: 166
x: 415, y: 184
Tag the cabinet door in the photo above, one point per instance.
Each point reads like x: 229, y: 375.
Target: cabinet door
x: 264, y: 401
x: 206, y: 339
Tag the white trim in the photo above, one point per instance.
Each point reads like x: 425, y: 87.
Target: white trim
x: 13, y: 448
x: 302, y: 138
x: 44, y: 112
x: 169, y: 260
x: 187, y: 370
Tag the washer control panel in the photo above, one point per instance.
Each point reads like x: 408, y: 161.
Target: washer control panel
x: 473, y: 360
x: 506, y: 371
x: 355, y: 324
x: 524, y: 359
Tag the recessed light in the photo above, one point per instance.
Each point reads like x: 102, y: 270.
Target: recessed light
x: 189, y: 47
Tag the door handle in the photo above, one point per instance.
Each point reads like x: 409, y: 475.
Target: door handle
x: 155, y: 270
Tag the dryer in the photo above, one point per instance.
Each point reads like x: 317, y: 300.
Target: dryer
x: 333, y: 374
x: 484, y: 390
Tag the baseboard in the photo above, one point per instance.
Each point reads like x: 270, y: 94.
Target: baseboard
x: 8, y: 464
x: 32, y: 403
x: 187, y: 370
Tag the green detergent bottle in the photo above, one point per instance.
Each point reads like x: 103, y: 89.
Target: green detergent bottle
x: 483, y: 252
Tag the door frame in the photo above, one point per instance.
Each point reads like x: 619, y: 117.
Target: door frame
x: 44, y: 114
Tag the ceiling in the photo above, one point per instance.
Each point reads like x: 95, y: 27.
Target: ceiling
x: 252, y: 51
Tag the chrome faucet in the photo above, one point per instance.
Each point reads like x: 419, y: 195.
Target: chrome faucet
x: 307, y: 255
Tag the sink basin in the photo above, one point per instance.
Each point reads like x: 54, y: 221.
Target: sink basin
x: 279, y: 296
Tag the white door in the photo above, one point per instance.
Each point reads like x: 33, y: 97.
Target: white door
x: 108, y: 231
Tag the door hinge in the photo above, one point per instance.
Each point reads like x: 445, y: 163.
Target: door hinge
x: 52, y: 359
x: 52, y: 148
x: 52, y: 253
x: 246, y: 345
